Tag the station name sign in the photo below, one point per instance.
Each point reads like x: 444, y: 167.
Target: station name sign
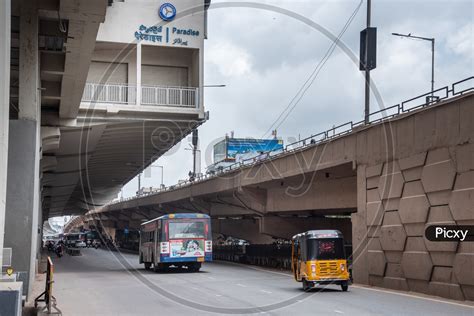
x: 169, y: 35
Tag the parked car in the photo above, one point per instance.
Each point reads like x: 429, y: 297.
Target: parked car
x: 80, y: 244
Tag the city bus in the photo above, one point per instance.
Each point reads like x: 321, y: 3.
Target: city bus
x: 179, y: 240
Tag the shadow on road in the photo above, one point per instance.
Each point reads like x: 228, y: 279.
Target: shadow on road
x: 168, y: 271
x: 321, y: 290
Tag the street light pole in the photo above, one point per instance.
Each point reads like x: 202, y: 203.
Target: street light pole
x: 367, y: 69
x: 432, y: 65
x: 139, y: 183
x: 432, y: 40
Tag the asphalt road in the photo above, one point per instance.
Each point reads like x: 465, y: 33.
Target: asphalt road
x: 109, y: 283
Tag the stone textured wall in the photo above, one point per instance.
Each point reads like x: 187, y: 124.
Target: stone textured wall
x: 403, y: 197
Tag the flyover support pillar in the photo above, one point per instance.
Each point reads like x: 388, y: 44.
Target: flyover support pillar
x: 5, y: 33
x: 23, y: 190
x: 359, y: 231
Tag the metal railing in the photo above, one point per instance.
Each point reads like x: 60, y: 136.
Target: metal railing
x: 110, y: 93
x: 424, y: 100
x: 150, y: 95
x: 172, y: 96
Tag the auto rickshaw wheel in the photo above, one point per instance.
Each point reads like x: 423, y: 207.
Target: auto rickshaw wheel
x: 345, y: 286
x: 306, y: 285
x: 147, y: 265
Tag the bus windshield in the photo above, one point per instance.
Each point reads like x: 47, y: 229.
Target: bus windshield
x: 186, y: 230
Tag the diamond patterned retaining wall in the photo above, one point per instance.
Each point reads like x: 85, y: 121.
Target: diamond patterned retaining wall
x: 404, y: 197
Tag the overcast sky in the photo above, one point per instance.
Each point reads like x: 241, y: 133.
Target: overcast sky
x: 265, y: 57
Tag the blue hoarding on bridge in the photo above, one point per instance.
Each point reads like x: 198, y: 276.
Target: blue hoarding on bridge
x: 229, y: 148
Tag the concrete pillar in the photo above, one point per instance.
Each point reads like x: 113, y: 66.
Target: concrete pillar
x: 5, y: 33
x: 359, y: 231
x: 23, y: 189
x: 139, y: 73
x: 39, y: 241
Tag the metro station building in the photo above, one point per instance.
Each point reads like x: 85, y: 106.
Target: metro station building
x: 92, y: 92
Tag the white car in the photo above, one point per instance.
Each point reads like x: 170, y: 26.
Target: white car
x: 80, y: 244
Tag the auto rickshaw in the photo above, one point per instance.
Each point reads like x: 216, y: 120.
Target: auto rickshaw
x: 318, y: 257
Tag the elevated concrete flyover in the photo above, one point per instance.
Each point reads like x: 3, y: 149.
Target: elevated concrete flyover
x: 395, y: 176
x: 257, y: 194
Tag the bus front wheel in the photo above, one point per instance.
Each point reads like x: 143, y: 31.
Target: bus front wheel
x: 195, y: 267
x: 307, y: 285
x: 159, y: 267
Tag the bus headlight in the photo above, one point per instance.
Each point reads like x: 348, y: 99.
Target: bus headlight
x: 343, y: 267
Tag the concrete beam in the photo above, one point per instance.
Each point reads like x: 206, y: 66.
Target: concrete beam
x: 52, y: 5
x: 76, y: 67
x: 29, y: 63
x: 51, y: 90
x: 287, y: 227
x: 340, y: 193
x: 52, y: 63
x: 247, y: 229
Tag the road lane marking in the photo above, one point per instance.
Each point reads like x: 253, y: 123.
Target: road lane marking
x: 258, y: 269
x: 211, y: 278
x: 218, y: 295
x: 412, y: 296
x: 268, y: 292
x: 363, y: 287
x: 238, y: 284
x: 339, y: 312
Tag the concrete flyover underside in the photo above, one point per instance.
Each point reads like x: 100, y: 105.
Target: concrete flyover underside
x: 92, y: 162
